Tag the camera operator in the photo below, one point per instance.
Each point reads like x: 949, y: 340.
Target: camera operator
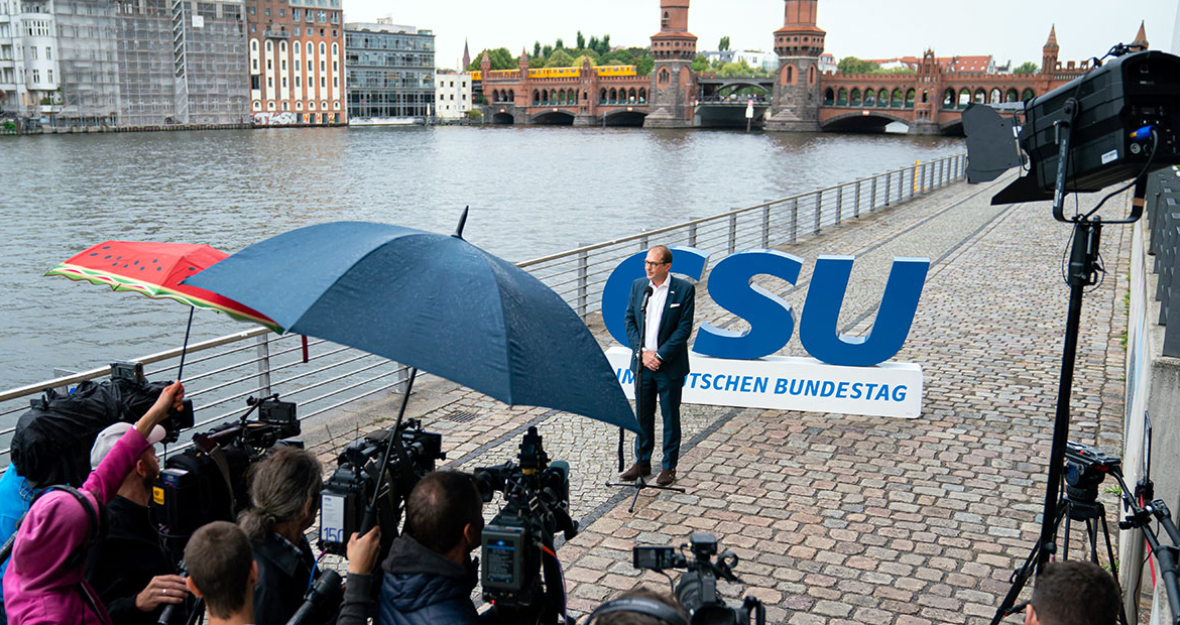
x: 1073, y: 593
x: 222, y: 571
x: 44, y: 582
x: 640, y: 606
x: 285, y: 493
x: 129, y: 570
x: 429, y: 573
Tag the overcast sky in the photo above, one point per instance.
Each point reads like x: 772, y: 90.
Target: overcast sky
x: 1007, y: 29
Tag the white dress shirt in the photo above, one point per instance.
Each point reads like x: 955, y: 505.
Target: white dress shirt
x: 655, y: 314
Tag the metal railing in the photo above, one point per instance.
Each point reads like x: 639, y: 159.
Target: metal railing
x: 1163, y: 221
x: 320, y: 376
x: 578, y: 275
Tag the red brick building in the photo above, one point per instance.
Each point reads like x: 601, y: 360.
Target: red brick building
x: 296, y: 52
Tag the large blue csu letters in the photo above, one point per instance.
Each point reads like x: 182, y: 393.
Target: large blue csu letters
x: 821, y: 312
x: 688, y: 261
x: 771, y: 320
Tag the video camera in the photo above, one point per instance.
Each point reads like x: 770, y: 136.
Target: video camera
x: 208, y: 481
x: 697, y: 590
x: 536, y: 506
x: 358, y: 475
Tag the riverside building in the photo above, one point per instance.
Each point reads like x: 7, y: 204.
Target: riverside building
x: 296, y: 62
x: 390, y: 73
x: 452, y: 95
x: 131, y: 63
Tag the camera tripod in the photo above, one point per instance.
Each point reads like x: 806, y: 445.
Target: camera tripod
x: 1077, y: 504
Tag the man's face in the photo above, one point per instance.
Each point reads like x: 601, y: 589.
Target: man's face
x: 655, y: 267
x: 149, y: 465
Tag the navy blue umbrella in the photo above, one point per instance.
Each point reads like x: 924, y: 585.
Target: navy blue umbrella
x: 431, y: 301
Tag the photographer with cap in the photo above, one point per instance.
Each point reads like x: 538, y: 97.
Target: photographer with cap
x: 44, y: 582
x: 429, y: 573
x: 285, y: 496
x: 129, y: 570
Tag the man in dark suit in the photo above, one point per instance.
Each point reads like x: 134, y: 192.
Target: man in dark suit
x: 659, y: 344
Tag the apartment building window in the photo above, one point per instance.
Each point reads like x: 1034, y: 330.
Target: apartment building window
x: 36, y: 75
x: 50, y: 72
x: 284, y: 83
x: 284, y: 63
x: 33, y: 53
x: 296, y: 31
x: 268, y: 12
x: 269, y: 65
x: 297, y: 85
x: 297, y: 14
x: 255, y: 64
x: 48, y: 53
x: 283, y: 13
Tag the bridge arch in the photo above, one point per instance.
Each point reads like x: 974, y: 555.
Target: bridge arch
x: 870, y: 97
x: 829, y: 96
x: 883, y: 97
x: 553, y: 118
x: 623, y: 117
x: 909, y: 98
x: 502, y: 118
x: 964, y: 98
x: 842, y: 97
x: 996, y: 96
x: 854, y: 97
x: 1028, y: 94
x: 858, y: 121
x: 896, y: 98
x: 1011, y: 95
x: 980, y: 95
x: 948, y: 98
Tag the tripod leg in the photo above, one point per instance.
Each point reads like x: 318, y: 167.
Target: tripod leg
x: 1113, y: 567
x: 1064, y: 540
x: 1092, y: 533
x: 1019, y: 579
x: 638, y: 487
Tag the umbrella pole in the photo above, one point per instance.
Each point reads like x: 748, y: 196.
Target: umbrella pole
x: 371, y: 511
x: 184, y: 348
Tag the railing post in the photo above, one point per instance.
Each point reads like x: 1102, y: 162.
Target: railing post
x: 819, y: 207
x: 583, y: 283
x: 839, y: 204
x: 888, y: 181
x: 900, y: 185
x: 732, y: 233
x: 794, y: 220
x: 643, y: 243
x: 692, y: 235
x: 873, y: 195
x: 766, y: 226
x: 856, y: 204
x: 263, y: 351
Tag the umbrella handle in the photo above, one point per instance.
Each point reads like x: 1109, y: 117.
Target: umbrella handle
x: 184, y: 348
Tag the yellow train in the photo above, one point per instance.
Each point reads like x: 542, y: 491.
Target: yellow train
x: 560, y: 72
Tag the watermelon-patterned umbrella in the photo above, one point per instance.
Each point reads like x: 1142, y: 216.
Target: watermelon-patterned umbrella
x: 155, y: 270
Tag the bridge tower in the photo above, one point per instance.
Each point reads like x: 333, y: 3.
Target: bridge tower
x: 1049, y: 52
x: 673, y: 84
x: 799, y: 44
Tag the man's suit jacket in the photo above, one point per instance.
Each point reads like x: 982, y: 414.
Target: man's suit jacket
x: 675, y: 325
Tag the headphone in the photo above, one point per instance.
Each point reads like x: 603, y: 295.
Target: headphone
x: 99, y: 523
x: 639, y: 605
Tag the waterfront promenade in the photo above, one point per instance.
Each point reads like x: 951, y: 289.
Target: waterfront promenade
x: 842, y: 518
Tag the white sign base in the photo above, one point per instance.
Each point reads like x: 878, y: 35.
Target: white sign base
x: 890, y: 389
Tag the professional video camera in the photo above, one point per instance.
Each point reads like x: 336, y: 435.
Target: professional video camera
x: 1085, y: 468
x: 697, y: 590
x: 536, y: 507
x: 358, y: 474
x: 208, y: 481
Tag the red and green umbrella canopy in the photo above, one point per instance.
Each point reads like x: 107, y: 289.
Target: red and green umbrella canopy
x: 155, y: 270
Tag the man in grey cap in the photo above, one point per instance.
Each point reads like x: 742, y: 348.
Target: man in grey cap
x: 129, y: 569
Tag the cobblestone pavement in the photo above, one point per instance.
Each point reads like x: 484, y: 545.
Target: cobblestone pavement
x: 840, y: 518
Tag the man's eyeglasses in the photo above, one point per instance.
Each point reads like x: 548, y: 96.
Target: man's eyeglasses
x: 651, y: 264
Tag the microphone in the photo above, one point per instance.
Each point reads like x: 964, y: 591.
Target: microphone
x: 328, y: 583
x: 646, y: 296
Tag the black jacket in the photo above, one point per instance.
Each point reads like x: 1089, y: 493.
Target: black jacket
x: 675, y: 325
x: 120, y: 567
x: 283, y: 578
x: 422, y: 587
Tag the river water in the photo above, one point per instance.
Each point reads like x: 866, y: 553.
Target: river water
x: 532, y: 191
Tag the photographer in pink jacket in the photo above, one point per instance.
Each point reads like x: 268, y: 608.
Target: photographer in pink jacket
x: 45, y: 581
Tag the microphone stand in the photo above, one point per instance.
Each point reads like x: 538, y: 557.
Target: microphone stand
x: 639, y: 483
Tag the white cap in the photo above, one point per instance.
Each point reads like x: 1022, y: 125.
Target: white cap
x: 107, y: 438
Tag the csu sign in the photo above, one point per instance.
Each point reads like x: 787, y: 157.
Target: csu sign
x: 737, y: 368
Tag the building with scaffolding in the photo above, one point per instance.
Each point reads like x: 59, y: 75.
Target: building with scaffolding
x: 126, y: 63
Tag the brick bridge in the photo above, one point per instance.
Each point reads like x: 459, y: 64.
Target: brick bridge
x: 797, y: 97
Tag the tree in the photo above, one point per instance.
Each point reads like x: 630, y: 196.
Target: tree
x: 700, y: 63
x: 581, y: 40
x: 559, y: 44
x: 724, y: 44
x: 853, y: 65
x: 644, y: 66
x: 741, y: 68
x: 580, y: 59
x: 1028, y: 67
x: 606, y: 42
x: 593, y: 45
x: 537, y: 49
x: 501, y: 59
x: 559, y: 58
x: 546, y: 51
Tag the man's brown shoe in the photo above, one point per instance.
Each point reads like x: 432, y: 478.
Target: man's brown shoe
x: 666, y: 477
x: 635, y: 471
